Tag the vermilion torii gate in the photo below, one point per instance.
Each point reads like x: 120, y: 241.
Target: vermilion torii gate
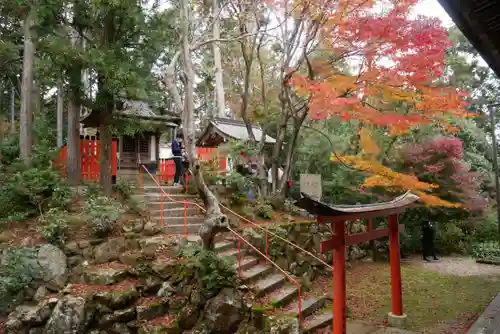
x: 337, y: 216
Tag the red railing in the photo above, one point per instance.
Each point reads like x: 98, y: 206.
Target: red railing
x: 165, y: 194
x: 287, y: 275
x: 276, y: 236
x: 90, y: 151
x: 166, y: 167
x: 236, y: 234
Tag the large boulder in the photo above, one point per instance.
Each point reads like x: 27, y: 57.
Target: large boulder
x: 72, y: 315
x: 25, y: 317
x: 54, y: 266
x: 110, y: 250
x: 224, y: 313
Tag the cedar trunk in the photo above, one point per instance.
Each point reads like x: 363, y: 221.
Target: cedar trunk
x: 26, y: 113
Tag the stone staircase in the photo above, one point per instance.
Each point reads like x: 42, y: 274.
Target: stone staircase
x: 173, y: 213
x: 275, y: 291
x: 272, y: 289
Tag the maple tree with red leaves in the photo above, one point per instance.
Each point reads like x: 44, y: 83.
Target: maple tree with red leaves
x: 379, y: 65
x: 397, y: 58
x: 440, y: 161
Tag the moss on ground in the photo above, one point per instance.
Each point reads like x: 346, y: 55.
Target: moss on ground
x: 429, y: 298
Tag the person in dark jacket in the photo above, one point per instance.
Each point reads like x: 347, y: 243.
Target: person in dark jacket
x: 428, y: 248
x: 177, y: 153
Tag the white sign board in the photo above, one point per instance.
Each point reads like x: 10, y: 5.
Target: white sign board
x: 310, y: 184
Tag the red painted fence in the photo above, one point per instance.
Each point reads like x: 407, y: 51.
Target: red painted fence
x: 90, y: 151
x: 166, y: 167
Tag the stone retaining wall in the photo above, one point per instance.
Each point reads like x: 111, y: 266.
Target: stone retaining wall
x: 308, y: 236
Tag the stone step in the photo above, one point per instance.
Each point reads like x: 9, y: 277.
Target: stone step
x: 154, y: 189
x: 178, y: 220
x: 309, y: 306
x: 283, y: 296
x: 222, y: 246
x: 176, y: 212
x: 156, y: 205
x: 158, y: 197
x: 318, y: 321
x: 268, y: 284
x: 246, y: 263
x: 253, y: 274
x: 180, y: 228
x: 231, y: 253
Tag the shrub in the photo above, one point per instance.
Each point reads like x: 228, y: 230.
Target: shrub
x: 103, y: 212
x: 32, y: 191
x: 487, y: 230
x: 213, y: 272
x: 125, y: 190
x: 452, y: 239
x: 18, y: 270
x: 263, y: 210
x: 54, y: 226
x: 486, y: 250
x: 236, y: 185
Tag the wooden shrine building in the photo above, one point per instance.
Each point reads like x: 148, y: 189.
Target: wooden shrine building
x: 337, y: 216
x: 144, y: 147
x: 220, y: 130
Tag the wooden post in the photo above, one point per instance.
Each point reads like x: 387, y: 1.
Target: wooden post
x: 339, y: 279
x: 372, y: 242
x: 397, y: 302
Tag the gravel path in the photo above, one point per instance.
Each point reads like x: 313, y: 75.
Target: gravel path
x: 459, y: 266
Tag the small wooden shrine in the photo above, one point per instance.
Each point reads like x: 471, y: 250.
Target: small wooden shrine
x: 220, y: 130
x: 143, y: 148
x: 337, y: 216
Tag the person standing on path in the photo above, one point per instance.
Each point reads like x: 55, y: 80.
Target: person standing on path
x: 177, y: 153
x: 428, y: 248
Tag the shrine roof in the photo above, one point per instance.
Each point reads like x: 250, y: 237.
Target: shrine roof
x: 226, y: 128
x: 319, y: 208
x: 133, y: 109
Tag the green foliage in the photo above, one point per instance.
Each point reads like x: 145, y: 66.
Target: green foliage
x: 235, y: 185
x: 18, y: 270
x: 487, y: 229
x: 103, y: 212
x: 451, y: 239
x: 54, y: 226
x: 263, y: 210
x: 125, y: 190
x: 486, y: 250
x: 213, y: 272
x: 31, y: 191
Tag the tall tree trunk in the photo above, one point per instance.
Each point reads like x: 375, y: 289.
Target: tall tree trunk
x: 106, y: 142
x: 215, y: 221
x: 106, y: 101
x: 219, y: 82
x: 12, y: 109
x: 60, y: 113
x: 74, y: 168
x: 26, y: 113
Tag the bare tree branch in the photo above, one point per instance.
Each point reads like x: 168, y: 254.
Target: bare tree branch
x: 169, y: 80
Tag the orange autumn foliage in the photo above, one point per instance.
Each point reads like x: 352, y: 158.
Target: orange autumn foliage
x: 387, y: 178
x: 394, y: 58
x: 376, y: 58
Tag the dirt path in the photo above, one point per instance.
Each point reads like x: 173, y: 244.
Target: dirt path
x: 458, y: 266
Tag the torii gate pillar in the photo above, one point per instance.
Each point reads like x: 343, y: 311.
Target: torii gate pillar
x: 338, y: 243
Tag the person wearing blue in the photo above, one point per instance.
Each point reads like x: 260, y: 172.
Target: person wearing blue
x: 177, y: 153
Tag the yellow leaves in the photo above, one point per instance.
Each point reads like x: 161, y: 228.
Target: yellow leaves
x: 370, y: 148
x: 435, y: 201
x: 385, y: 177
